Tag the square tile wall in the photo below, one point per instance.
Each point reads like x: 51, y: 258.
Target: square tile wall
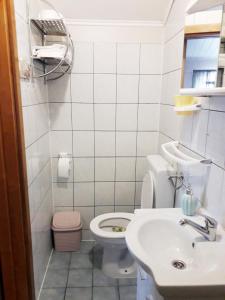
x: 37, y: 144
x: 108, y: 119
x: 202, y: 133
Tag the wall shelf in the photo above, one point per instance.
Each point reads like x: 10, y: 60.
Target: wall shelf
x: 50, y: 27
x: 208, y: 92
x: 54, y: 66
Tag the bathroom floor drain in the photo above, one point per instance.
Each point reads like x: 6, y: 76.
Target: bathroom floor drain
x: 179, y: 264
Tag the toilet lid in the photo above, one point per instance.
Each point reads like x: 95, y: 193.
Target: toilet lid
x: 66, y: 220
x: 99, y: 224
x: 147, y: 192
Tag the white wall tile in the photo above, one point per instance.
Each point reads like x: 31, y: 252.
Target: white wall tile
x: 87, y: 214
x: 104, y: 169
x: 84, y: 194
x: 127, y: 88
x: 61, y: 141
x: 147, y: 143
x: 63, y: 194
x: 104, y: 58
x: 128, y: 58
x: 83, y: 169
x: 150, y: 89
x: 173, y: 53
x: 104, y: 193
x: 60, y: 116
x: 127, y: 209
x: 59, y: 92
x: 148, y: 117
x: 215, y: 146
x: 126, y: 117
x: 100, y: 210
x: 83, y: 58
x: 83, y: 143
x: 126, y: 143
x: 105, y: 116
x: 21, y: 8
x: 124, y: 193
x: 151, y: 59
x: 104, y: 143
x: 125, y: 168
x: 214, y: 190
x: 83, y: 116
x: 82, y: 88
x: 105, y: 88
x: 199, y: 132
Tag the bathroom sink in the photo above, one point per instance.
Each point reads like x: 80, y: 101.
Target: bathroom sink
x: 179, y: 259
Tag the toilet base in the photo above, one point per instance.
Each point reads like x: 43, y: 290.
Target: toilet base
x: 118, y: 263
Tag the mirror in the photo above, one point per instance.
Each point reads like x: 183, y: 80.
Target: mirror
x: 204, y: 50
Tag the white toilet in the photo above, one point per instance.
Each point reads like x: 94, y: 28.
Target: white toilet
x: 109, y: 229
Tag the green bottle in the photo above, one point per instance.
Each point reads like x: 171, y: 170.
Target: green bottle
x: 189, y: 203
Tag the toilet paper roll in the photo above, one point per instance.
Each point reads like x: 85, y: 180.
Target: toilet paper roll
x: 64, y: 166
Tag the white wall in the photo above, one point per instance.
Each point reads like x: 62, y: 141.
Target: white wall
x: 36, y: 130
x: 106, y: 113
x: 204, y: 132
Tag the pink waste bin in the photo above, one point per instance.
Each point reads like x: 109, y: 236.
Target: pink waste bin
x: 67, y: 228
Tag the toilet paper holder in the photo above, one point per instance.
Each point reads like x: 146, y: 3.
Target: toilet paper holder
x: 64, y: 165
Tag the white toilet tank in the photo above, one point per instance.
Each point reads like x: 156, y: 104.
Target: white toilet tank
x: 157, y: 191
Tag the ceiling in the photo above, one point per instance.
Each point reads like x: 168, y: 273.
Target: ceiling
x: 155, y: 11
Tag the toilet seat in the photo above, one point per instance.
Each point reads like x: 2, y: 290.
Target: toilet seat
x: 95, y: 225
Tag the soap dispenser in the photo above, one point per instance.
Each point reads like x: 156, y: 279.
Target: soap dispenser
x: 189, y: 202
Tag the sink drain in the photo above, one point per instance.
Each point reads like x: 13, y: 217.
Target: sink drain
x: 179, y: 264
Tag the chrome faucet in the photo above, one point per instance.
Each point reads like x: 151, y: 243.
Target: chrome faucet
x: 208, y: 231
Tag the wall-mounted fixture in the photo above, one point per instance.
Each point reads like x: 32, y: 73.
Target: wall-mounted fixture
x: 203, y: 71
x: 175, y: 155
x: 55, y: 57
x: 186, y: 105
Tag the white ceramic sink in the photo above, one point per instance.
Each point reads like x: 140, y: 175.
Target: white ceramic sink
x: 156, y: 240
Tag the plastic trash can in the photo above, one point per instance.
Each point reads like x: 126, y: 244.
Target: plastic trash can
x: 67, y: 228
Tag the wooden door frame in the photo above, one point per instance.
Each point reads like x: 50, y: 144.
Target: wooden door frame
x: 15, y: 230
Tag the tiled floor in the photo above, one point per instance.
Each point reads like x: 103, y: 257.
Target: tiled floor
x: 78, y: 276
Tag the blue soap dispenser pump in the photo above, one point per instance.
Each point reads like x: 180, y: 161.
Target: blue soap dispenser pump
x: 189, y: 203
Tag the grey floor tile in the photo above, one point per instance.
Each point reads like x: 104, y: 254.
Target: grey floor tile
x: 97, y: 256
x: 52, y: 294
x: 127, y: 292
x: 81, y: 261
x: 60, y: 260
x: 87, y: 247
x: 56, y: 278
x: 103, y: 293
x: 128, y: 281
x: 79, y: 294
x: 80, y: 278
x: 100, y: 279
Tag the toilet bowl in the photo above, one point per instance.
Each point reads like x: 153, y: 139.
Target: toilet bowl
x: 109, y: 229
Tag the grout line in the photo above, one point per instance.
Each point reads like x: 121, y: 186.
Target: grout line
x: 40, y: 171
x: 93, y: 100
x: 67, y: 280
x: 40, y: 137
x: 71, y: 114
x: 46, y: 270
x: 115, y: 162
x: 137, y: 124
